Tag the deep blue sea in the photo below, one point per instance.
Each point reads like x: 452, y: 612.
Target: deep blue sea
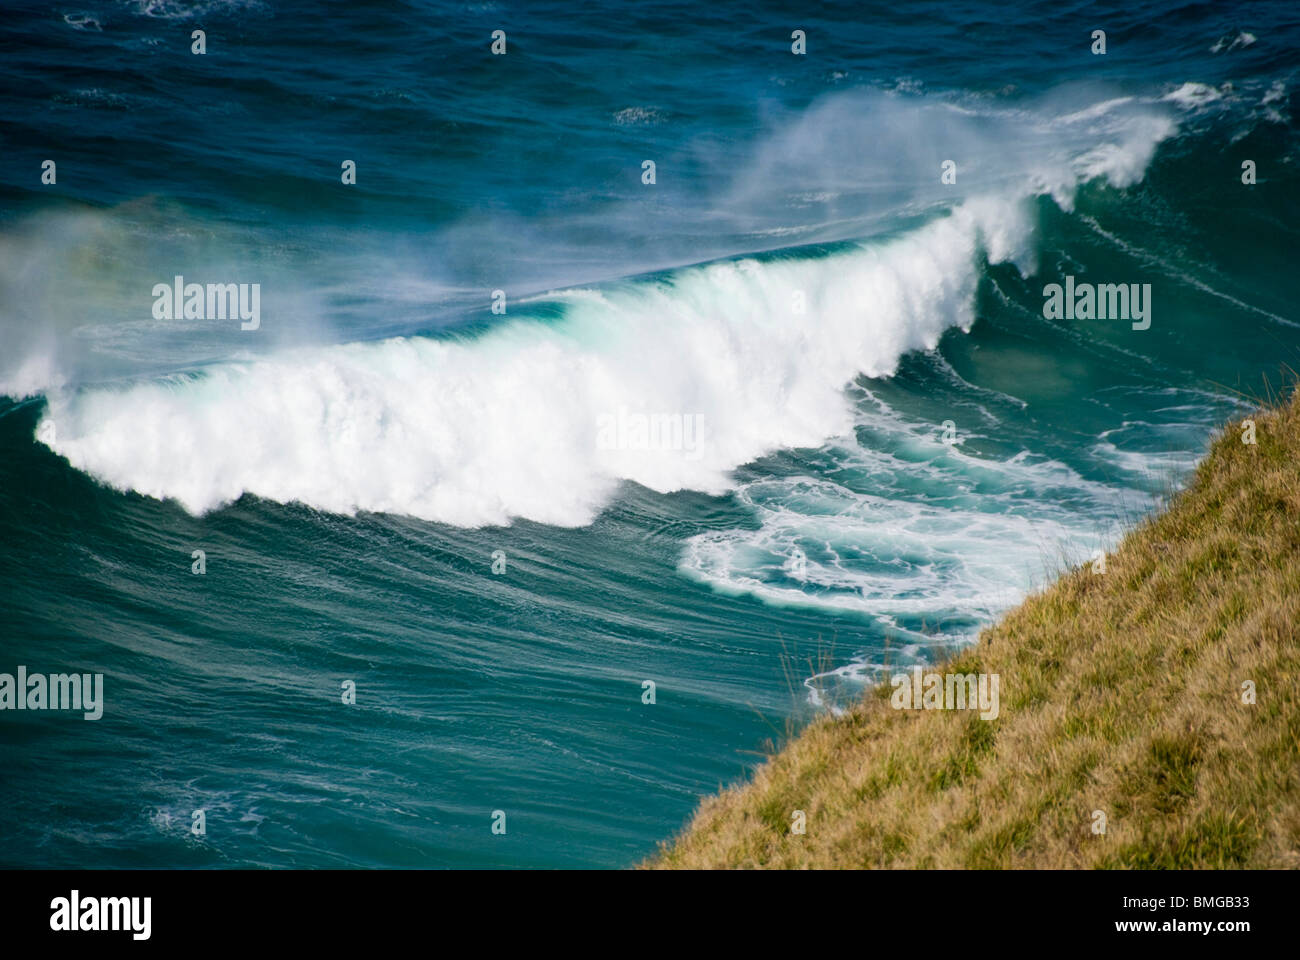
x: 521, y: 427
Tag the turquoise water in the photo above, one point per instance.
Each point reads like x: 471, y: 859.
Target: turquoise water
x: 883, y: 442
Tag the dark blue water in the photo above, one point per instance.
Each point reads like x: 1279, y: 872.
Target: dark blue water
x: 868, y: 440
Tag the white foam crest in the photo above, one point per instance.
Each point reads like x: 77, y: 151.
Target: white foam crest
x: 480, y: 431
x: 1193, y: 94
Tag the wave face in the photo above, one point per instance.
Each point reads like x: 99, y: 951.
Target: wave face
x: 507, y: 424
x: 787, y: 419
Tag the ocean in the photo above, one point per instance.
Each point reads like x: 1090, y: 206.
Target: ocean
x: 613, y: 404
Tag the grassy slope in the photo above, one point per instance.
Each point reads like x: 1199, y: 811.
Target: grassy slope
x: 1120, y: 692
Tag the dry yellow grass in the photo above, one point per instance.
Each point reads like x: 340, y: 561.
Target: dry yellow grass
x: 1120, y: 692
